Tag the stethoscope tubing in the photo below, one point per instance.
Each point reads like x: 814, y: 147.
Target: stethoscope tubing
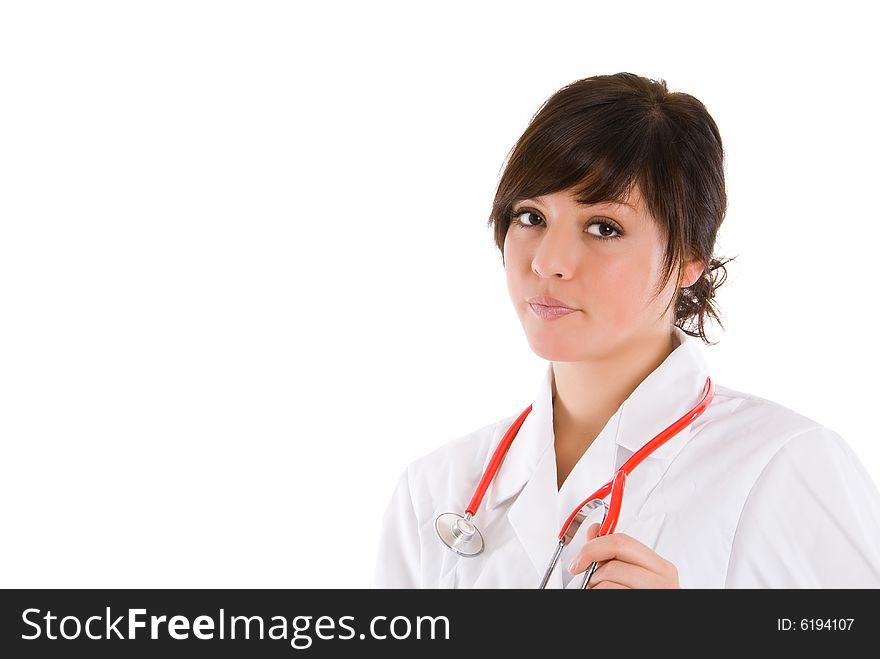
x: 635, y: 460
x: 495, y: 462
x: 614, y: 487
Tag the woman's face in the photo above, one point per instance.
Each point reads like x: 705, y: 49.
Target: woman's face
x: 602, y: 260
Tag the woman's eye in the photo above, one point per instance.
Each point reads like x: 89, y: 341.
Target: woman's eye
x: 517, y: 215
x: 605, y: 230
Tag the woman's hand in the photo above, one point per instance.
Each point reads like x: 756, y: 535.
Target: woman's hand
x: 624, y: 562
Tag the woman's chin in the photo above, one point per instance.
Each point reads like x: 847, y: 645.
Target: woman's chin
x: 554, y: 350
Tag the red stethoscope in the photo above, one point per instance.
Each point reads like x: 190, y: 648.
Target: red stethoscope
x: 461, y: 535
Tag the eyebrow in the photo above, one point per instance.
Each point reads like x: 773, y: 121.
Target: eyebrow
x: 601, y: 203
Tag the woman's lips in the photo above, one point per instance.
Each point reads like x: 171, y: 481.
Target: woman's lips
x: 550, y: 313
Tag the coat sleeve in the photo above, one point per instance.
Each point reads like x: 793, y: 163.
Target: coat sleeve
x: 398, y: 562
x: 811, y: 520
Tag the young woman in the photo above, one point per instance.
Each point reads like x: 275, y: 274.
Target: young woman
x: 606, y: 218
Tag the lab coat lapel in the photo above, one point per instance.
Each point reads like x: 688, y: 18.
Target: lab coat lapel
x: 533, y: 517
x: 534, y: 438
x: 529, y: 473
x: 665, y: 395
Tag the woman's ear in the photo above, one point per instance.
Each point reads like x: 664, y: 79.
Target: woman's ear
x: 690, y: 273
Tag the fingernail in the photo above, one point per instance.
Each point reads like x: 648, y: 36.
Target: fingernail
x: 572, y: 568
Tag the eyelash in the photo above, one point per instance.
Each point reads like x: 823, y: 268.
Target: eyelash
x: 514, y: 219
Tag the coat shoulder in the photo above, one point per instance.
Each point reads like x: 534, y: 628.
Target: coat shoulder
x: 452, y: 465
x: 740, y: 434
x: 459, y: 450
x: 763, y: 416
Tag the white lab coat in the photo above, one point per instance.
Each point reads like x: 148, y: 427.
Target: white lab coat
x: 750, y: 495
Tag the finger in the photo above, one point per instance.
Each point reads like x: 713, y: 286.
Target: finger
x: 593, y: 531
x: 607, y: 584
x: 628, y: 575
x: 622, y: 547
x: 577, y: 566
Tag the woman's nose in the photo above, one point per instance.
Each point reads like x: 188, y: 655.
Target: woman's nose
x: 555, y: 255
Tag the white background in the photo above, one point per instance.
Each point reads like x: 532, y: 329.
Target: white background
x: 246, y: 276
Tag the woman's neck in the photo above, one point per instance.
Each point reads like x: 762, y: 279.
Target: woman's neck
x: 587, y: 394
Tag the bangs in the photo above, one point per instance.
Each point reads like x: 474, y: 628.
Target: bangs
x: 600, y: 157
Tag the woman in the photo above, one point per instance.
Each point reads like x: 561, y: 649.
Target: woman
x: 606, y: 218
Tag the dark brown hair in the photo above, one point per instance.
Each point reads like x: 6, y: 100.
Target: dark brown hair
x: 604, y: 134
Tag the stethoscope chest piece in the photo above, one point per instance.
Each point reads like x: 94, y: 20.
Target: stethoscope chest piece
x: 459, y: 533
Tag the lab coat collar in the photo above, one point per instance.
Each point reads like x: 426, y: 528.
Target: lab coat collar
x: 529, y: 470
